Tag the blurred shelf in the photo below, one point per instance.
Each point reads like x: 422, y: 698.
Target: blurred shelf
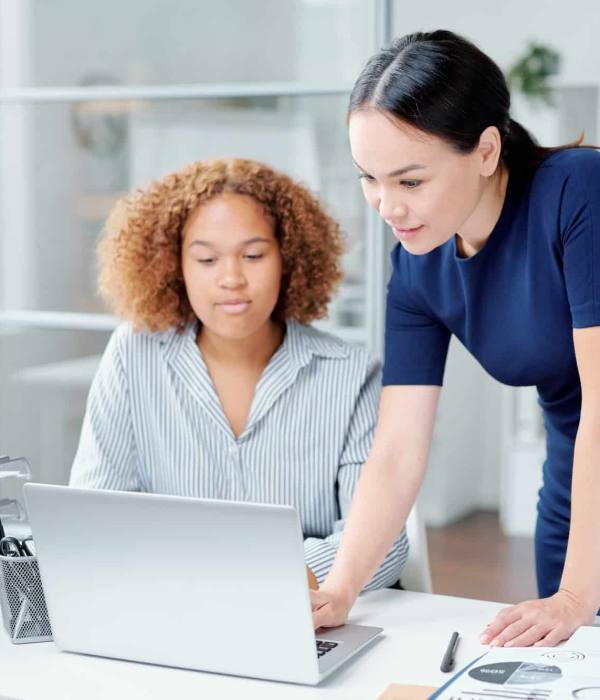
x: 169, y: 92
x: 59, y: 320
x: 76, y: 373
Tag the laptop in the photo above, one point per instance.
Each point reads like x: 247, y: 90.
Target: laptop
x: 210, y: 585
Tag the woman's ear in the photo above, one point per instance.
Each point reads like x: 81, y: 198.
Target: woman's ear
x: 489, y: 150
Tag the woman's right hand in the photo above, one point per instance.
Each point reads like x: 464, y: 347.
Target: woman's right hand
x: 330, y: 608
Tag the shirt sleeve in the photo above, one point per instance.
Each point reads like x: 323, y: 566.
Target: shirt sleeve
x: 416, y: 344
x: 580, y: 236
x: 106, y: 456
x: 320, y: 552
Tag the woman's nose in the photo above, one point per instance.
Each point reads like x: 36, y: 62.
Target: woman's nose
x: 231, y: 275
x: 392, y: 209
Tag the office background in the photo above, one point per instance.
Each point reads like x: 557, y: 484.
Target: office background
x: 96, y: 99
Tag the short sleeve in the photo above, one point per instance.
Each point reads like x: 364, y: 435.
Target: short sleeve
x: 580, y: 235
x: 416, y: 344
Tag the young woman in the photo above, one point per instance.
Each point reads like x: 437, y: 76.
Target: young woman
x: 218, y: 387
x: 499, y: 244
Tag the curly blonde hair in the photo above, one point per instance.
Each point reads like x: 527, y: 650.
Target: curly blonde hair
x: 139, y: 253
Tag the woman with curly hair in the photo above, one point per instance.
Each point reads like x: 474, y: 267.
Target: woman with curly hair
x: 218, y: 387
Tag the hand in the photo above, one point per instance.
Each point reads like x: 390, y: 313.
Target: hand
x: 544, y: 622
x: 330, y: 608
x: 313, y: 584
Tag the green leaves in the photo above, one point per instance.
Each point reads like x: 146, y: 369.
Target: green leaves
x: 530, y: 73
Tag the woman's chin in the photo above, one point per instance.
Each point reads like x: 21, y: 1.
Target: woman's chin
x: 236, y: 328
x: 419, y: 247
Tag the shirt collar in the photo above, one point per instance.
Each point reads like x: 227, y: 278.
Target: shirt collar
x: 305, y: 342
x: 301, y: 342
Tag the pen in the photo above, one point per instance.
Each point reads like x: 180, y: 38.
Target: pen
x: 448, y: 660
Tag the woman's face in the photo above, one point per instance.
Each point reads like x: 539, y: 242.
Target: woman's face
x: 424, y: 189
x: 231, y: 265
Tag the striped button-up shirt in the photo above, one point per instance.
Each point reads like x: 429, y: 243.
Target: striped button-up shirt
x: 154, y: 423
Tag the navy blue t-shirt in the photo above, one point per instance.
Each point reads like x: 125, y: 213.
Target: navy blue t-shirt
x: 515, y: 303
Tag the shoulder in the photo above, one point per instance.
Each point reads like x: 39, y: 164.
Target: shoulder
x: 130, y: 345
x: 570, y: 164
x: 570, y: 159
x: 566, y: 185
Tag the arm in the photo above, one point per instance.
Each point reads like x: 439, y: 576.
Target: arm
x: 581, y: 575
x: 550, y: 620
x: 386, y: 492
x: 320, y: 552
x: 106, y: 456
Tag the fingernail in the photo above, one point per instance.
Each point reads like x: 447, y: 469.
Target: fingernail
x: 484, y: 638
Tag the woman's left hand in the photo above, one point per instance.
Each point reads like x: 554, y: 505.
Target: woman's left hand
x: 544, y: 622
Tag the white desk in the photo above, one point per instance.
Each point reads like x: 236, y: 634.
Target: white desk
x: 417, y: 630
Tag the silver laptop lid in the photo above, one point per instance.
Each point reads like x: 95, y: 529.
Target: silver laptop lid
x: 204, y: 584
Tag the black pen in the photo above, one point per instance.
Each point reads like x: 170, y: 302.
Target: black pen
x: 448, y: 660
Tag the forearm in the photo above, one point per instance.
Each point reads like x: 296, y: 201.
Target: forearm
x: 320, y: 554
x: 581, y: 574
x: 384, y: 496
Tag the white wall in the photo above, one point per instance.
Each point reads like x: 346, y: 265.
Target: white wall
x: 16, y: 279
x: 502, y: 29
x: 335, y: 38
x: 161, y: 41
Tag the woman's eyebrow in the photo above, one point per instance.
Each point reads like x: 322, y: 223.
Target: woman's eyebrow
x: 249, y: 241
x: 257, y: 239
x: 406, y: 169
x: 399, y: 171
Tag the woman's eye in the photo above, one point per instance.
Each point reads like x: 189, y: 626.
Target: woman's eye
x: 256, y: 256
x: 367, y: 178
x: 206, y: 261
x: 410, y: 184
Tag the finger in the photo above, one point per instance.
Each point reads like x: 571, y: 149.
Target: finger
x: 553, y: 637
x: 328, y: 615
x: 500, y: 622
x: 322, y: 617
x: 510, y: 632
x: 529, y: 637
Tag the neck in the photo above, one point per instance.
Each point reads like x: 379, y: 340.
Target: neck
x: 254, y: 351
x: 478, y: 228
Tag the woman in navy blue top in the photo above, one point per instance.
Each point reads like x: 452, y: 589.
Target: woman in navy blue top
x: 499, y: 244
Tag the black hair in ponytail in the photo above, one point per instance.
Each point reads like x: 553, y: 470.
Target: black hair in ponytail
x: 442, y: 84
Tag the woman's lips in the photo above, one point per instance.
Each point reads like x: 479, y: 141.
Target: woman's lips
x: 406, y: 234
x: 234, y: 307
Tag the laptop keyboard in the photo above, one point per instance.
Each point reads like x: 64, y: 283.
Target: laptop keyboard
x: 323, y: 647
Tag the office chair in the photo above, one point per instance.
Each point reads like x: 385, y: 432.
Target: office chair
x: 416, y: 575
